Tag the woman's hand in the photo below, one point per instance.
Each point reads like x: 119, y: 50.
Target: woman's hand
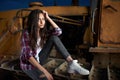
x: 46, y: 14
x: 54, y: 25
x: 33, y: 61
x: 47, y: 75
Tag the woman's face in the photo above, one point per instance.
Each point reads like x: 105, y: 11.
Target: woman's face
x: 41, y: 21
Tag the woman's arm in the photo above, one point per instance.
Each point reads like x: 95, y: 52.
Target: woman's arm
x: 40, y: 67
x: 54, y: 25
x: 57, y: 31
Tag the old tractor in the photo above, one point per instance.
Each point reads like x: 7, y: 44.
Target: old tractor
x: 90, y: 34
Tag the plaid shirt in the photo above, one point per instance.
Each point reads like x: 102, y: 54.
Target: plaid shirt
x: 27, y: 52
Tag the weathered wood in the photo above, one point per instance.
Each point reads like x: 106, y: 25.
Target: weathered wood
x: 109, y: 34
x: 104, y: 50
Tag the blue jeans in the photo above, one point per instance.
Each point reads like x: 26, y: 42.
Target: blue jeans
x: 52, y: 41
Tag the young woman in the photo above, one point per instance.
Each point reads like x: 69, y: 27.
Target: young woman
x: 36, y: 46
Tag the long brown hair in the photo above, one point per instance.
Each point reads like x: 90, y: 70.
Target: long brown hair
x: 32, y: 24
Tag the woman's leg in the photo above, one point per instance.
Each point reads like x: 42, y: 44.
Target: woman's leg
x: 44, y: 53
x: 60, y: 47
x: 54, y: 40
x: 73, y: 65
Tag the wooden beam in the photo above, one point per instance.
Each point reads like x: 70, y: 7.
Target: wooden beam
x: 104, y: 50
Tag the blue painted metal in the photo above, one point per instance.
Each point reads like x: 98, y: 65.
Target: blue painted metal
x: 18, y: 4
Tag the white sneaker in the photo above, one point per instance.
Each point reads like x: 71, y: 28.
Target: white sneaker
x: 75, y: 67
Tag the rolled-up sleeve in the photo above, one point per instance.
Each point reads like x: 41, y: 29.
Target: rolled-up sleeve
x: 57, y: 31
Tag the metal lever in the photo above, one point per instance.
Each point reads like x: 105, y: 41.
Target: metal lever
x: 93, y: 20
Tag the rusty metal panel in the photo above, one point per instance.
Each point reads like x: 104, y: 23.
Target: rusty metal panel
x: 10, y: 36
x: 52, y: 10
x: 109, y: 34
